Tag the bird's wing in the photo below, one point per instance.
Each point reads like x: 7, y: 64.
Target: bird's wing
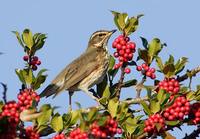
x: 73, y: 73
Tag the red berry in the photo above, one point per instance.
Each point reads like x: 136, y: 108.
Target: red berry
x: 144, y: 65
x: 26, y: 58
x: 35, y: 58
x: 116, y: 54
x: 152, y: 70
x: 127, y: 70
x: 38, y: 62
x: 148, y: 74
x: 152, y: 121
x: 34, y: 67
x: 153, y: 76
x: 121, y: 52
x: 116, y: 66
x: 139, y: 68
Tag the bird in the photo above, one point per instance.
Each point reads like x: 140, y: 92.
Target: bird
x: 84, y: 72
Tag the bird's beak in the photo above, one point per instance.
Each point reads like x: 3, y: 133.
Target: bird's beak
x: 110, y: 33
x: 113, y: 31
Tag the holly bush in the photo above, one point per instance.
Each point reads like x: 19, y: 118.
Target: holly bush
x: 162, y: 104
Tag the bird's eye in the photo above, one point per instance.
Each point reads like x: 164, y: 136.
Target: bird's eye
x: 100, y: 35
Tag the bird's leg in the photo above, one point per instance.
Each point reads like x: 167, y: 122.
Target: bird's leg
x: 90, y: 94
x: 70, y: 100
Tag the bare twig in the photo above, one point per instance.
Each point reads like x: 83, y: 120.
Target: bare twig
x: 193, y: 72
x: 120, y: 83
x: 139, y: 87
x: 135, y: 100
x: 4, y: 92
x: 194, y: 134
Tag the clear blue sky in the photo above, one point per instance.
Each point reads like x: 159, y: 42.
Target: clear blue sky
x: 69, y: 24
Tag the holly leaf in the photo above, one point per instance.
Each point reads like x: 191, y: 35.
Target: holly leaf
x: 131, y: 25
x: 144, y: 55
x: 113, y: 107
x: 74, y: 117
x: 66, y: 119
x: 39, y: 40
x: 57, y: 123
x: 144, y: 43
x: 172, y: 123
x: 20, y: 75
x: 111, y: 63
x: 170, y: 60
x: 18, y: 38
x: 45, y: 116
x: 154, y: 48
x: 129, y: 83
x: 154, y: 106
x: 45, y: 130
x: 131, y: 124
x: 161, y: 95
x: 120, y: 19
x: 92, y: 114
x: 102, y: 121
x: 190, y: 95
x: 27, y: 38
x: 159, y: 63
x: 145, y: 107
x: 169, y: 70
x: 25, y: 75
x: 180, y: 64
x: 103, y: 88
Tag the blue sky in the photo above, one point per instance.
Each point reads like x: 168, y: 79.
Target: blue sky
x: 69, y: 25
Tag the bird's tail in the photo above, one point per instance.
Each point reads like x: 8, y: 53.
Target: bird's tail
x: 49, y: 90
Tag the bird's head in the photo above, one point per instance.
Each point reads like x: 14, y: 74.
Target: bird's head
x: 100, y: 38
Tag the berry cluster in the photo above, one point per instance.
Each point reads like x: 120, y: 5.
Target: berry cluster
x: 33, y: 61
x: 150, y: 124
x: 170, y: 85
x: 146, y: 70
x: 8, y: 130
x: 26, y: 98
x: 30, y: 133
x: 78, y: 134
x: 59, y: 136
x: 10, y: 110
x: 108, y: 130
x: 178, y: 110
x: 195, y: 113
x: 124, y: 51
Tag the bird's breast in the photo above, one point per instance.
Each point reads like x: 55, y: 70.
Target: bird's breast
x: 97, y: 75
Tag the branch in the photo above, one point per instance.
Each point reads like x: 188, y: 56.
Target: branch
x: 194, y: 134
x: 4, y: 92
x: 120, y: 83
x: 135, y: 100
x: 129, y: 102
x: 139, y: 87
x: 193, y: 72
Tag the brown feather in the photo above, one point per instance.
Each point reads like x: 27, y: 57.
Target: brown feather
x: 72, y: 74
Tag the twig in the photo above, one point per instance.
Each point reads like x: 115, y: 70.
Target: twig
x: 139, y: 87
x: 194, y: 134
x: 120, y: 83
x: 135, y: 100
x: 4, y: 92
x: 129, y: 102
x: 193, y: 72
